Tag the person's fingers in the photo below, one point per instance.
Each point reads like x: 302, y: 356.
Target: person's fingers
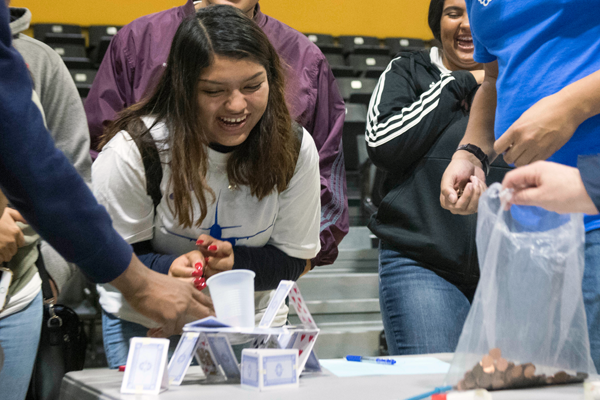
x: 214, y: 248
x: 474, y: 200
x: 217, y: 265
x: 448, y: 193
x: 521, y: 178
x: 463, y: 202
x: 524, y: 197
x: 504, y: 142
x: 204, y: 300
x: 15, y: 215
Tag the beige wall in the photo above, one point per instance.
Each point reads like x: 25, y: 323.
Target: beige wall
x: 382, y: 18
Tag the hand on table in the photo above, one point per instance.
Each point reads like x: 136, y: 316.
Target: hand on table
x: 462, y: 184
x: 538, y: 133
x: 218, y: 255
x: 11, y: 236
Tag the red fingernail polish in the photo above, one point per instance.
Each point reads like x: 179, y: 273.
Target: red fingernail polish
x: 202, y: 284
x: 198, y: 265
x: 197, y: 273
x: 212, y: 247
x: 197, y: 281
x: 206, y: 259
x: 200, y: 241
x: 122, y: 368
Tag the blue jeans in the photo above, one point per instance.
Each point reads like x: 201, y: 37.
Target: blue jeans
x: 19, y: 337
x: 591, y: 292
x: 422, y: 312
x: 117, y: 333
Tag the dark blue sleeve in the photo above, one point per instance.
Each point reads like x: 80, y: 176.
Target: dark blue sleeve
x: 155, y: 261
x: 589, y: 168
x: 39, y: 181
x: 270, y: 265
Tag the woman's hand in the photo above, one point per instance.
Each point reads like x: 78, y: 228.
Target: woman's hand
x: 189, y: 267
x: 11, y: 236
x: 217, y: 253
x: 462, y: 184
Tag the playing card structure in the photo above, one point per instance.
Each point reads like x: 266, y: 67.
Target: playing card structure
x: 210, y: 341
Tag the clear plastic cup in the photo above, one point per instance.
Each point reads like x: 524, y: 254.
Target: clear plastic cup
x: 232, y: 294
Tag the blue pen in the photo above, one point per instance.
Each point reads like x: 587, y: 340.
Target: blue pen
x: 385, y: 361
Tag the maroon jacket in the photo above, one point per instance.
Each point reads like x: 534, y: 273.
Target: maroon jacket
x: 135, y: 59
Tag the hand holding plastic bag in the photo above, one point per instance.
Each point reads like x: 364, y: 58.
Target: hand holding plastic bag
x: 527, y: 324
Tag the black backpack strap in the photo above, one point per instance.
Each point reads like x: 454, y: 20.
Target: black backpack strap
x: 299, y: 131
x: 152, y: 166
x: 46, y: 289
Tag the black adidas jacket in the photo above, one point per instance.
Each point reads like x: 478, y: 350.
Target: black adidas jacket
x: 416, y: 119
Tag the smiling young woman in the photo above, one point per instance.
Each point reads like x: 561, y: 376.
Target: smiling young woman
x: 428, y: 268
x: 240, y: 186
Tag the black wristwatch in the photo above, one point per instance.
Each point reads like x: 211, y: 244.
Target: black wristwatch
x: 477, y: 152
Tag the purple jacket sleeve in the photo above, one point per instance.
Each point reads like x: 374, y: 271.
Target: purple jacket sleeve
x: 589, y: 168
x: 111, y: 91
x: 326, y: 128
x: 41, y: 183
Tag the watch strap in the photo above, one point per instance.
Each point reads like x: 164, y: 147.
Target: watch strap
x: 477, y: 152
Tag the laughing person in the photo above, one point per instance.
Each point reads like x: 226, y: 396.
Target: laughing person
x: 428, y: 266
x: 239, y: 181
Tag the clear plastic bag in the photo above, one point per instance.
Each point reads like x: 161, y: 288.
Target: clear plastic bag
x: 527, y: 325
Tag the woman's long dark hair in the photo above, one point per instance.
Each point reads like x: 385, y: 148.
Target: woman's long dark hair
x: 265, y: 161
x: 436, y: 9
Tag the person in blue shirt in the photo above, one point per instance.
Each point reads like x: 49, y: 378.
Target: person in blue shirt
x: 41, y: 184
x: 557, y: 187
x: 539, y: 100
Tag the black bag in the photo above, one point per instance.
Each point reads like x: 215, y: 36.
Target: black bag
x: 62, y: 345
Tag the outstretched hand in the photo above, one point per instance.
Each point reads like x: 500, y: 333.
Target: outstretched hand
x: 552, y: 186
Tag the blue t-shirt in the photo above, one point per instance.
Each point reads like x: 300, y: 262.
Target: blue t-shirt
x: 541, y: 47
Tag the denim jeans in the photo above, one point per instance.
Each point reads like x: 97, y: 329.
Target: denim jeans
x: 19, y: 337
x: 591, y: 292
x: 422, y: 312
x: 117, y: 333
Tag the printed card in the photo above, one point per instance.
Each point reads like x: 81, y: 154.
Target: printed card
x: 223, y: 355
x: 269, y: 369
x: 250, y: 370
x: 297, y: 301
x: 204, y: 358
x: 304, y: 341
x: 278, y: 298
x: 146, y: 371
x: 280, y: 370
x: 181, y: 359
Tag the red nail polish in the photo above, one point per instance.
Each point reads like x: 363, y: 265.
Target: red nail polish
x: 212, y: 247
x: 206, y: 259
x: 122, y: 368
x: 197, y: 281
x: 197, y: 273
x: 201, y: 285
x: 198, y: 265
x: 200, y: 241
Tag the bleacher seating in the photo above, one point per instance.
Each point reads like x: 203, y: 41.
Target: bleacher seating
x: 398, y: 44
x: 99, y: 39
x: 41, y: 30
x: 83, y: 79
x: 357, y: 90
